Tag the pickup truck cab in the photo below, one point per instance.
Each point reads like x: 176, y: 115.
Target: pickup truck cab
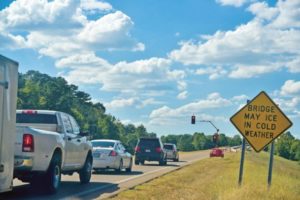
x: 48, y: 144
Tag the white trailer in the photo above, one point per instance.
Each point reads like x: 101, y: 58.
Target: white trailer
x: 8, y: 99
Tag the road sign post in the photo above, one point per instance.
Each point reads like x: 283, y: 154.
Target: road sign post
x: 271, y: 165
x: 242, y: 162
x: 260, y: 122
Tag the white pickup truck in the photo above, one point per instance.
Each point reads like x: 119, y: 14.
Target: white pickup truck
x: 48, y: 144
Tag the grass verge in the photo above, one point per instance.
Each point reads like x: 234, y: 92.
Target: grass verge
x: 216, y: 178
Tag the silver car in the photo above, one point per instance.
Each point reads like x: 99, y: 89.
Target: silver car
x: 111, y: 154
x: 172, y: 151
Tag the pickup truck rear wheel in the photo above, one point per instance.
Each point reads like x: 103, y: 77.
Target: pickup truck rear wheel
x: 53, y: 175
x: 86, y: 172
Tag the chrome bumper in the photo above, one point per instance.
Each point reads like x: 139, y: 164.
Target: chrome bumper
x: 23, y: 163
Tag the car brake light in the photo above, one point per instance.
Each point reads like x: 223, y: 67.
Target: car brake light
x: 29, y: 112
x: 137, y: 149
x: 28, y: 143
x: 113, y: 153
x: 158, y: 150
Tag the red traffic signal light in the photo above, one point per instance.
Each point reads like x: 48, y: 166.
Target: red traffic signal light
x: 193, y: 119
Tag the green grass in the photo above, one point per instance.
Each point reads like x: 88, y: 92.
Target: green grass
x: 217, y: 178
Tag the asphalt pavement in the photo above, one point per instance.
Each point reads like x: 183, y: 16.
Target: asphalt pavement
x: 103, y: 184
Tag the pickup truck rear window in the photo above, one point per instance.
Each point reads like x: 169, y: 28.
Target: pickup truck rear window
x: 103, y: 144
x: 168, y: 146
x: 23, y: 118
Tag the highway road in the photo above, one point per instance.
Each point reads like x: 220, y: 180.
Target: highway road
x: 104, y: 184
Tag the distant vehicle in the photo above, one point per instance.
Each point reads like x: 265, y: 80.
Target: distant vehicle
x: 8, y: 102
x: 216, y: 152
x: 172, y: 152
x: 111, y: 154
x: 48, y: 144
x: 150, y: 149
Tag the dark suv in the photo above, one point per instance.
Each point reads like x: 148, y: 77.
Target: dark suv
x: 150, y: 149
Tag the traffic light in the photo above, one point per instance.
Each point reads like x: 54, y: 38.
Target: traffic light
x: 215, y: 138
x: 193, y: 119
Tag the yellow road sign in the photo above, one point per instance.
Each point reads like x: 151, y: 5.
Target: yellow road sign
x: 260, y: 121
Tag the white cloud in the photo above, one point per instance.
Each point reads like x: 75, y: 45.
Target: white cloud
x: 149, y: 101
x: 214, y: 72
x: 181, y: 85
x: 236, y: 3
x: 240, y: 98
x: 28, y: 14
x: 290, y: 87
x: 165, y: 113
x: 265, y: 44
x: 182, y: 95
x: 95, y: 6
x: 263, y: 11
x: 88, y: 59
x: 120, y: 103
x: 60, y: 28
x: 289, y: 14
x: 140, y: 77
x: 252, y: 71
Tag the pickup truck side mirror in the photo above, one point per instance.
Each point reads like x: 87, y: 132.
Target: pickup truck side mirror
x: 84, y: 133
x: 59, y: 128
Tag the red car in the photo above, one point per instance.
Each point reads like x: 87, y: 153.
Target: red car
x: 216, y: 153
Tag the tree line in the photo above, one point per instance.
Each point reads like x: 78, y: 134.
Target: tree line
x: 287, y: 146
x: 40, y: 91
x: 200, y: 141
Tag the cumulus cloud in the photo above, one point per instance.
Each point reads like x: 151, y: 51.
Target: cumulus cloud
x: 265, y: 44
x: 290, y: 87
x: 61, y: 28
x: 236, y: 3
x: 182, y: 95
x: 95, y: 6
x: 165, y: 113
x: 213, y: 72
x: 140, y: 77
x: 120, y: 103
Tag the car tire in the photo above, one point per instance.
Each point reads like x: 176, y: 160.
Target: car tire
x: 129, y: 169
x: 162, y: 162
x: 119, y: 169
x: 86, y: 172
x: 53, y: 175
x: 136, y: 162
x: 142, y: 162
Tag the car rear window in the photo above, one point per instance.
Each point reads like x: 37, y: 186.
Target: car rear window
x: 103, y: 144
x: 168, y: 146
x: 24, y: 118
x: 149, y: 143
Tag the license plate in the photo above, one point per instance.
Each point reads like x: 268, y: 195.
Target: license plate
x: 147, y: 150
x: 96, y: 155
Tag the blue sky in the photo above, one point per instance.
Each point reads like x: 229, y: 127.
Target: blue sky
x: 158, y: 62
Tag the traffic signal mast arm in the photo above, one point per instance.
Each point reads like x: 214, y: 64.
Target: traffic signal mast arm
x: 211, y: 124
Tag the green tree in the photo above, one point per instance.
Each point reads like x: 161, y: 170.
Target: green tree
x: 283, y: 145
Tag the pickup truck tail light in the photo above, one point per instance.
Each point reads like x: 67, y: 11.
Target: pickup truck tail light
x: 113, y: 153
x: 28, y: 143
x: 158, y: 150
x: 137, y: 149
